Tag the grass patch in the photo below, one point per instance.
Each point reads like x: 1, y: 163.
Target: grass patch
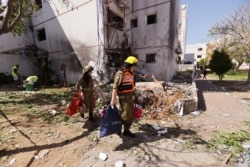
x: 240, y: 75
x: 229, y: 143
x: 31, y: 105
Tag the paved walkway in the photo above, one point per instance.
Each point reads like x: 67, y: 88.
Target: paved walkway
x: 222, y: 109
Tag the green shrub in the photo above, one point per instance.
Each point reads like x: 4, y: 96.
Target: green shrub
x: 220, y: 63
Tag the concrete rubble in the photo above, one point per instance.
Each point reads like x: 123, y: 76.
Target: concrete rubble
x: 160, y: 99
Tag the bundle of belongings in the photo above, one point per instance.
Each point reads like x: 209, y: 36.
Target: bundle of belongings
x: 76, y: 105
x: 110, y: 122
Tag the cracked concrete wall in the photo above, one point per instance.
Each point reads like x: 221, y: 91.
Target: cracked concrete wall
x: 14, y: 45
x: 159, y: 38
x: 7, y: 61
x: 73, y: 35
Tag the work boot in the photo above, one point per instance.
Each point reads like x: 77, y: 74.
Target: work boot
x: 129, y: 134
x: 91, y: 119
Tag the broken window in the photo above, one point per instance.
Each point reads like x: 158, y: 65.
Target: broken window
x: 41, y: 34
x: 39, y: 4
x: 151, y: 19
x: 133, y: 23
x: 150, y: 58
x: 115, y: 21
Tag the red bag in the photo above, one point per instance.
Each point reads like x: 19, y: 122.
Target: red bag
x: 137, y: 111
x: 75, y: 103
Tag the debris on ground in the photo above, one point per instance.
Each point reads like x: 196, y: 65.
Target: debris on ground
x: 159, y: 99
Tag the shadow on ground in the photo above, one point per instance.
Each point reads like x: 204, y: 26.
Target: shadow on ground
x: 148, y: 134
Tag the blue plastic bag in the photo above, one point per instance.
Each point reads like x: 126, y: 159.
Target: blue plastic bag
x: 110, y: 122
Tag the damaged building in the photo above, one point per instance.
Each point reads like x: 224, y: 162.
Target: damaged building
x: 101, y: 33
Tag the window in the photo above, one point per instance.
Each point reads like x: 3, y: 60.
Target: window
x: 151, y: 19
x: 41, y: 34
x: 39, y: 3
x: 199, y: 49
x: 199, y: 56
x: 133, y: 23
x: 150, y: 58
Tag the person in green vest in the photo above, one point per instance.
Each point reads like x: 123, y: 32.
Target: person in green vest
x: 33, y: 79
x: 15, y: 72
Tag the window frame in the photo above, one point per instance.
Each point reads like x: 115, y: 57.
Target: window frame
x: 41, y: 37
x: 39, y: 3
x: 150, y: 58
x: 200, y: 49
x: 151, y: 19
x: 134, y: 23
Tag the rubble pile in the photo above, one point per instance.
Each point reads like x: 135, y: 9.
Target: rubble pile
x: 159, y: 99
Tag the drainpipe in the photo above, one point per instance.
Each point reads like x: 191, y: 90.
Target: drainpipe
x: 107, y: 27
x: 131, y: 32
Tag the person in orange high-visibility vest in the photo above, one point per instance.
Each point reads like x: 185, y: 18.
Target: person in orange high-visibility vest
x: 124, y: 88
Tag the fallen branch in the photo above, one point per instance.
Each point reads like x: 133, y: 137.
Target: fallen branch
x: 227, y: 158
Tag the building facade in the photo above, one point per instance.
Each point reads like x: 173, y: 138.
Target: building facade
x: 183, y: 31
x: 102, y: 33
x: 12, y: 52
x: 194, y: 53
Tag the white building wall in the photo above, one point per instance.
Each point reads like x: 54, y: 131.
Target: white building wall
x: 154, y: 38
x: 183, y: 28
x: 195, y: 49
x: 27, y: 67
x: 9, y: 42
x: 75, y: 35
x: 71, y: 35
x: 11, y: 48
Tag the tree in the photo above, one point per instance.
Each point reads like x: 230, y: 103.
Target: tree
x: 220, y: 63
x: 233, y: 35
x: 12, y: 15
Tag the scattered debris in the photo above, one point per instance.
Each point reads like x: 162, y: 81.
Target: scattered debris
x: 226, y: 115
x: 42, y: 154
x: 12, y: 131
x: 179, y: 106
x: 53, y: 112
x: 63, y: 102
x: 119, y: 163
x: 160, y: 130
x: 227, y: 159
x: 12, y: 161
x: 103, y: 156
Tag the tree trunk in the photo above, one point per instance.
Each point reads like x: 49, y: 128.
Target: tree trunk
x: 220, y: 77
x: 248, y: 78
x: 238, y: 65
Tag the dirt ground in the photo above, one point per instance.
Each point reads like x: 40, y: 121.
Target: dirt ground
x: 35, y: 132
